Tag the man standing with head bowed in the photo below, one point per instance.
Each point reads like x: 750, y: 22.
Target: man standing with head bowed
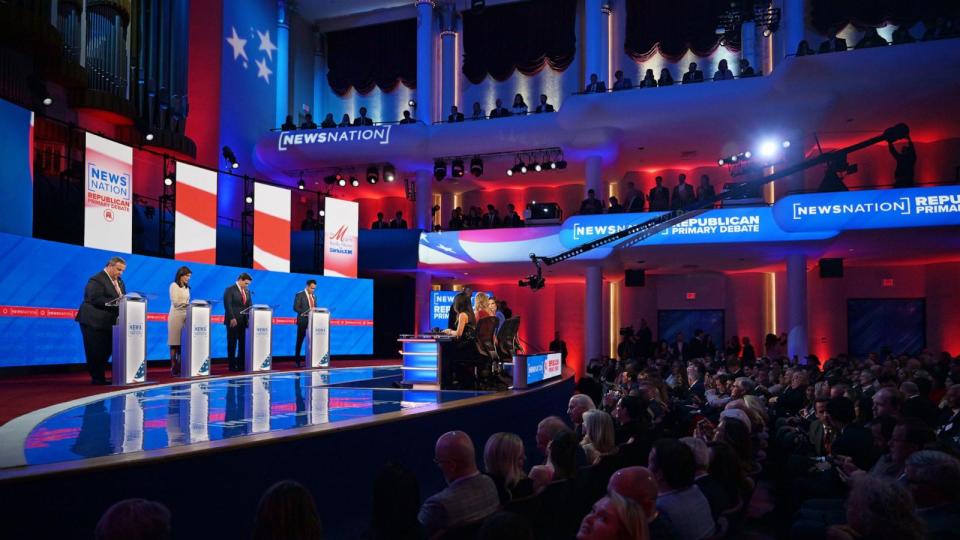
x: 236, y: 298
x: 96, y: 318
x: 303, y: 303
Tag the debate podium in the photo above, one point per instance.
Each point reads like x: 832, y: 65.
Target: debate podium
x: 259, y: 337
x: 130, y: 340
x: 424, y: 366
x: 318, y: 338
x: 195, y: 340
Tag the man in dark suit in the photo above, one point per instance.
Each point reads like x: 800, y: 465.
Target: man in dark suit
x: 512, y: 219
x: 595, y: 85
x: 659, y: 196
x: 362, y: 120
x: 695, y: 375
x: 97, y: 319
x: 591, y: 205
x: 916, y: 404
x: 682, y: 194
x: 853, y: 440
x: 499, y: 111
x: 398, y: 222
x: 544, y: 107
x: 693, y: 74
x: 948, y: 425
x: 697, y: 348
x: 303, y: 302
x: 236, y: 298
x: 380, y: 223
x: 455, y: 115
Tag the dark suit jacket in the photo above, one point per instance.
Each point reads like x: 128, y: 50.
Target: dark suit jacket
x: 815, y: 433
x: 698, y: 389
x: 358, y: 121
x: 659, y: 198
x: 402, y: 224
x: 682, y: 196
x: 500, y: 113
x: 599, y: 86
x: 380, y: 224
x: 93, y: 312
x: 512, y: 221
x: 301, y: 306
x: 922, y: 408
x: 455, y: 117
x: 696, y: 76
x: 233, y: 304
x: 856, y: 442
x: 545, y: 108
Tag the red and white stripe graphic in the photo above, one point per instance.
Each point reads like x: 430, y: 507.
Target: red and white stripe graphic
x: 195, y: 237
x: 40, y: 312
x: 271, y: 228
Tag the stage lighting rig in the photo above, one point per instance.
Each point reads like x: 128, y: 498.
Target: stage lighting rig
x: 456, y: 168
x: 389, y: 173
x: 354, y: 181
x: 373, y: 175
x: 230, y: 157
x: 439, y: 169
x: 476, y: 167
x: 300, y: 184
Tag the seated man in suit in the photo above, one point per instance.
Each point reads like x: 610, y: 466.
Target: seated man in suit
x: 308, y: 122
x: 621, y: 83
x: 455, y: 115
x: 328, y: 122
x: 500, y: 111
x: 288, y: 124
x: 362, y: 120
x: 236, y: 298
x: 407, y: 119
x: 96, y: 318
x: 469, y: 496
x: 544, y: 106
x: 398, y: 222
x: 595, y: 85
x: 693, y: 74
x: 380, y: 223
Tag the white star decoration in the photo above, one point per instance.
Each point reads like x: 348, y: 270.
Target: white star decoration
x: 265, y: 44
x: 238, y: 45
x: 263, y: 70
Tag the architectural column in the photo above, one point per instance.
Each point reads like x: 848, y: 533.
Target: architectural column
x: 594, y: 181
x: 446, y: 207
x: 592, y: 322
x: 448, y: 37
x: 606, y: 70
x: 283, y: 64
x: 83, y: 34
x: 319, y: 75
x: 748, y: 44
x: 797, y: 341
x: 425, y: 56
x: 422, y: 218
x: 593, y: 39
x: 422, y: 289
x: 793, y: 25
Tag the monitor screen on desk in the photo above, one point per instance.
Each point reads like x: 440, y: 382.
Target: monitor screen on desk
x: 541, y: 367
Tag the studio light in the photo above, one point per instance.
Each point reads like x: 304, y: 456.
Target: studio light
x: 168, y: 180
x: 373, y: 175
x: 412, y: 104
x: 721, y: 162
x: 322, y: 213
x: 439, y: 169
x: 785, y: 144
x: 733, y: 159
x: 510, y: 171
x: 389, y: 173
x: 148, y: 137
x: 342, y: 182
x: 354, y: 181
x: 230, y: 157
x: 47, y: 101
x: 248, y: 199
x: 300, y: 185
x: 536, y: 166
x: 523, y: 168
x: 456, y: 168
x: 748, y: 154
x: 476, y: 167
x: 768, y: 149
x: 550, y: 165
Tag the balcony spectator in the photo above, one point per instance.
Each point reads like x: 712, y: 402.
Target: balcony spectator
x: 649, y: 80
x: 455, y: 115
x: 380, y: 223
x: 308, y: 122
x: 630, y: 199
x: 871, y: 39
x: 591, y: 205
x: 659, y: 196
x: 512, y: 219
x: 456, y: 219
x: 746, y: 70
x: 832, y: 44
x: 477, y: 111
x: 398, y: 222
x: 519, y: 106
x: 491, y: 219
x: 362, y: 120
x: 345, y: 121
x: 595, y: 86
x: 309, y: 223
x: 288, y: 124
x: 474, y: 218
x: 906, y: 162
x: 407, y: 119
x: 328, y: 122
x: 499, y: 111
x: 723, y: 72
x: 666, y: 79
x: 705, y: 191
x: 620, y: 83
x: 544, y: 107
x: 902, y: 35
x: 615, y: 206
x: 682, y: 194
x: 803, y: 49
x: 693, y: 75
x: 528, y: 212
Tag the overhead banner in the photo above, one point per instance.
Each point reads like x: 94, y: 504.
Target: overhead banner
x: 195, y: 234
x: 340, y: 242
x: 108, y: 220
x: 271, y: 228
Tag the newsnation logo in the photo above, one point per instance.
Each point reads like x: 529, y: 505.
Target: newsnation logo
x: 379, y: 134
x: 904, y: 206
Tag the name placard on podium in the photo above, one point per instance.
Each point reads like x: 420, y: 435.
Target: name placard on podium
x: 130, y: 340
x: 195, y: 340
x: 318, y: 338
x: 259, y: 337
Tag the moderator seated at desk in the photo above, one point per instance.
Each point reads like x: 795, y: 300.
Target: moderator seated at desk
x: 465, y: 354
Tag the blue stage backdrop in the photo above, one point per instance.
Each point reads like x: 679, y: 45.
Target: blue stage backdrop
x: 42, y: 286
x: 16, y: 196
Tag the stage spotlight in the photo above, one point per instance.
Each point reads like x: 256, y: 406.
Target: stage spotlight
x: 248, y: 199
x: 342, y: 182
x: 439, y: 169
x: 300, y: 185
x: 389, y: 173
x: 168, y: 180
x: 322, y: 213
x: 562, y: 164
x: 230, y: 157
x: 523, y: 168
x: 47, y: 101
x: 721, y: 162
x: 373, y: 175
x: 733, y: 159
x: 536, y: 166
x: 748, y: 154
x: 510, y: 170
x: 148, y: 137
x: 476, y: 166
x: 354, y: 181
x: 767, y: 149
x: 785, y: 144
x: 412, y: 104
x: 456, y: 168
x: 549, y: 165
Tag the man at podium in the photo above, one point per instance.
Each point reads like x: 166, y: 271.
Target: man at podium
x: 236, y: 298
x: 96, y: 318
x: 303, y: 302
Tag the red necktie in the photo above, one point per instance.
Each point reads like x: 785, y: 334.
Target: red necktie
x: 310, y: 299
x: 116, y: 285
x: 243, y: 297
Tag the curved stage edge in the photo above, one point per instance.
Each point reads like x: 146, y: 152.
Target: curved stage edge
x: 212, y: 488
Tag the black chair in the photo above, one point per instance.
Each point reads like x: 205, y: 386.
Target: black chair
x: 507, y: 338
x: 486, y: 347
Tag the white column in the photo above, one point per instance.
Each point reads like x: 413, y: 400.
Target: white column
x: 793, y: 24
x: 425, y: 56
x: 593, y: 39
x: 319, y: 76
x: 605, y: 73
x: 422, y: 218
x: 283, y: 61
x: 594, y: 181
x: 797, y: 341
x: 448, y: 37
x: 592, y: 322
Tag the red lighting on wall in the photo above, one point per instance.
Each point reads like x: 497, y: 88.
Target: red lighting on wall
x: 887, y: 282
x: 691, y: 296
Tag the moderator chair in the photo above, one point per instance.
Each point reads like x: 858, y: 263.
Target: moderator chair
x: 486, y: 347
x: 507, y: 339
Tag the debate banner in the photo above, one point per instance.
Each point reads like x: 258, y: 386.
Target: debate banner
x: 340, y: 244
x: 108, y: 220
x: 195, y: 234
x: 271, y: 228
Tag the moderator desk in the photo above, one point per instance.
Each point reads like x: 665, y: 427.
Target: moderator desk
x: 424, y: 365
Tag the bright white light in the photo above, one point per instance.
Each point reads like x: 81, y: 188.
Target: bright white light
x: 510, y: 171
x: 768, y: 149
x: 720, y: 162
x: 322, y: 213
x: 733, y: 159
x: 48, y: 101
x: 748, y: 154
x: 786, y: 144
x: 149, y: 136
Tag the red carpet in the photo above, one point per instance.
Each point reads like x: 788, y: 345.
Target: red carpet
x: 26, y: 393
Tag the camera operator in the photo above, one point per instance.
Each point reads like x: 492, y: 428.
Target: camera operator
x: 628, y: 348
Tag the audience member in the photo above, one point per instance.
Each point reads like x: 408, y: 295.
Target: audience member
x: 134, y: 519
x: 614, y: 518
x: 948, y: 425
x: 595, y: 85
x: 398, y: 222
x: 591, y: 205
x: 503, y: 458
x: 544, y: 107
x: 345, y: 121
x: 693, y: 75
x: 659, y: 196
x: 902, y: 36
x: 621, y: 83
x: 723, y: 72
x: 649, y: 80
x: 396, y: 502
x: 615, y: 206
x: 803, y: 49
x: 380, y: 223
x: 309, y: 223
x: 599, y: 439
x: 932, y: 478
x: 832, y: 44
x: 286, y: 510
x: 491, y: 219
x: 746, y: 70
x: 407, y: 119
x: 512, y: 219
x: 715, y: 492
x: 632, y: 199
x: 673, y: 466
x: 906, y: 160
x: 579, y: 404
x: 477, y: 111
x: 329, y: 122
x: 362, y: 120
x: 666, y: 79
x: 879, y: 509
x: 499, y: 111
x: 519, y: 106
x: 308, y: 122
x: 705, y: 190
x: 639, y: 485
x: 456, y: 220
x: 455, y: 115
x: 505, y: 526
x: 871, y: 38
x: 682, y: 194
x: 288, y: 124
x: 469, y: 496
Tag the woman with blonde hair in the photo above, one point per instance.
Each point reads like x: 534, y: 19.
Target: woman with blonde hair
x: 614, y: 517
x: 599, y: 436
x: 481, y: 306
x: 503, y: 458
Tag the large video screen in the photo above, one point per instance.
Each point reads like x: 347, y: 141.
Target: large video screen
x: 42, y: 284
x: 894, y: 324
x: 671, y: 321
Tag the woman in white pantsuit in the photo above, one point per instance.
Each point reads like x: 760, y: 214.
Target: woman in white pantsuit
x: 179, y: 298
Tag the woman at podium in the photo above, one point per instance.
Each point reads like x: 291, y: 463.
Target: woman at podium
x: 179, y: 299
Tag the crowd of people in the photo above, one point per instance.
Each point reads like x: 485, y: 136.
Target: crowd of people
x: 476, y: 218
x: 693, y: 75
x: 659, y: 198
x: 942, y: 28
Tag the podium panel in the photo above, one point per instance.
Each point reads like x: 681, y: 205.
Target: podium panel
x: 195, y: 341
x: 257, y: 406
x: 318, y: 338
x: 130, y: 341
x: 259, y: 338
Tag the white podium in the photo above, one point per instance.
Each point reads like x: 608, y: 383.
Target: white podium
x: 318, y: 338
x: 259, y: 337
x: 195, y: 340
x: 130, y: 340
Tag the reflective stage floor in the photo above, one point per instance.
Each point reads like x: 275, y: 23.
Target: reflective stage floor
x: 201, y: 411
